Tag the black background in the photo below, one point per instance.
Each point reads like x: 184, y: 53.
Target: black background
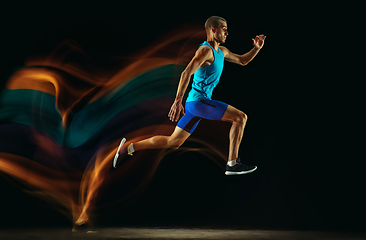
x: 300, y: 94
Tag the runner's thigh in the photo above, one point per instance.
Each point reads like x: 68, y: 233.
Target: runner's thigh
x: 209, y: 109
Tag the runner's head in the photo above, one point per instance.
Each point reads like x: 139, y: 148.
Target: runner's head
x: 217, y: 27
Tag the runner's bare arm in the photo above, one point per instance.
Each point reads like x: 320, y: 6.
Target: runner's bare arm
x: 202, y: 54
x: 244, y: 59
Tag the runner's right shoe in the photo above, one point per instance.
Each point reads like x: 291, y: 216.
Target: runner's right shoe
x: 121, y: 154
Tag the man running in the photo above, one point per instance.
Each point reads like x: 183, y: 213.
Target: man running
x: 206, y: 66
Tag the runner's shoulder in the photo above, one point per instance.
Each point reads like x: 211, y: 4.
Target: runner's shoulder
x: 204, y: 51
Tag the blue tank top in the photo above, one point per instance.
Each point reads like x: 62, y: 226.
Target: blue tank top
x: 206, y: 78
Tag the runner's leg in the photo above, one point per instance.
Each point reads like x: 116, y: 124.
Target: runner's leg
x: 216, y: 110
x: 183, y: 130
x: 178, y: 137
x: 238, y: 120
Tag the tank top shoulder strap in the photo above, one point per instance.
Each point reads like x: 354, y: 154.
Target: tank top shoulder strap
x: 207, y: 44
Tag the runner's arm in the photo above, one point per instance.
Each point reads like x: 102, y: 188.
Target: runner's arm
x: 247, y: 57
x: 202, y: 54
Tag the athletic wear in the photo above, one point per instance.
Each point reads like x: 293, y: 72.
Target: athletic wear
x: 199, y: 104
x: 206, y: 78
x: 232, y: 162
x: 196, y: 110
x: 239, y: 168
x: 130, y: 149
x: 121, y: 154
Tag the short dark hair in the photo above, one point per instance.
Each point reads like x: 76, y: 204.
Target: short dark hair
x: 213, y: 21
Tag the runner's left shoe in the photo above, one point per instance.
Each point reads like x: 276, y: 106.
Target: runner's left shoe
x: 239, y: 168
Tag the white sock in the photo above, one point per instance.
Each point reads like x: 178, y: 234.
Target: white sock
x: 130, y: 149
x: 231, y: 163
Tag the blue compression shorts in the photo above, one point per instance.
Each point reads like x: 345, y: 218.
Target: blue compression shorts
x: 196, y: 110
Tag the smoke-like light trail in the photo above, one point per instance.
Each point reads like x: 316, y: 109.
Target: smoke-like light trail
x: 61, y: 120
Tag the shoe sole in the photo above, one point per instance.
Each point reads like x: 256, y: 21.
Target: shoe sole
x: 117, y: 153
x: 240, y: 173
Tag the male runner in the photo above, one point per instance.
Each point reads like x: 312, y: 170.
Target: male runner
x: 206, y: 65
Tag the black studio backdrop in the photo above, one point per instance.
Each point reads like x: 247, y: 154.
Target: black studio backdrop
x: 288, y: 93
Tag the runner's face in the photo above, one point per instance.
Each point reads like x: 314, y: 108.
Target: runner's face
x: 220, y: 33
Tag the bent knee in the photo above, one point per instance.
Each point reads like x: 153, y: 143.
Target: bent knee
x: 175, y: 143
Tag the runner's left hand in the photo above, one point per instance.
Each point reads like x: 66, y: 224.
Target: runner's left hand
x: 175, y: 111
